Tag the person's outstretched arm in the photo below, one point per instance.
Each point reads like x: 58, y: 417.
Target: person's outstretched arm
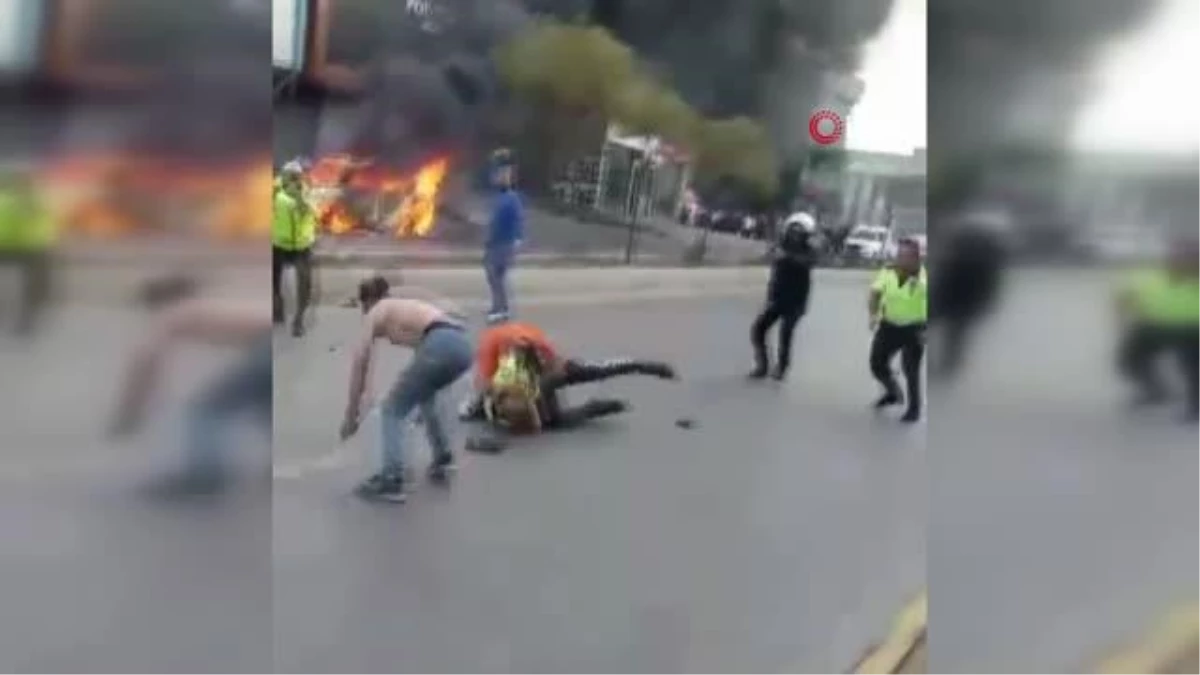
x: 201, y: 321
x: 360, y: 367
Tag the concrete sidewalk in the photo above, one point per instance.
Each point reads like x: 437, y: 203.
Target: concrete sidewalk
x: 109, y: 284
x: 381, y: 253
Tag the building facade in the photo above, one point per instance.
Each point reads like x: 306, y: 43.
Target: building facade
x: 1130, y: 195
x: 20, y: 28
x: 885, y: 189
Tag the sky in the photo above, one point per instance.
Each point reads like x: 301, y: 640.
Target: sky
x: 1143, y: 101
x: 891, y: 115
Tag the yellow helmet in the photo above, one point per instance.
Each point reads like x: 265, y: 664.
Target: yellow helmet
x: 513, y: 395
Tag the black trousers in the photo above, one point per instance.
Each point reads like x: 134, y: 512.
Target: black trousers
x: 773, y: 313
x: 1189, y: 354
x: 1139, y: 354
x: 909, y: 341
x: 36, y: 270
x: 955, y: 333
x: 302, y: 260
x: 555, y: 415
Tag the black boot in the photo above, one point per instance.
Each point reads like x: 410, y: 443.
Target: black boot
x: 1148, y: 397
x: 912, y: 383
x: 658, y: 369
x: 761, y: 366
x: 889, y: 398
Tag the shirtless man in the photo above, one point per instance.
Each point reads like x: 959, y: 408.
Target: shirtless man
x: 441, y: 354
x: 520, y: 372
x: 181, y: 316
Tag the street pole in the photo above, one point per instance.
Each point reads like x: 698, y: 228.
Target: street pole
x: 632, y: 204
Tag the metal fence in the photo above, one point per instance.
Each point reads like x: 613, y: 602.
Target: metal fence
x: 621, y: 183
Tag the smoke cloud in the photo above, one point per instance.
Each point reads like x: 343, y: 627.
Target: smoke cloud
x: 209, y: 102
x: 1015, y: 72
x: 760, y: 58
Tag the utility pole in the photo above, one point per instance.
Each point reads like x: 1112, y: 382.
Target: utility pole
x: 635, y: 180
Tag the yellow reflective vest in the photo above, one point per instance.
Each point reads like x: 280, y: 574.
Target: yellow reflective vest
x: 1158, y: 299
x: 294, y: 224
x: 902, y: 304
x: 26, y: 225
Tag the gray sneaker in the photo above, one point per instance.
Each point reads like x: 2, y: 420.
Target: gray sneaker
x: 383, y: 487
x: 442, y: 468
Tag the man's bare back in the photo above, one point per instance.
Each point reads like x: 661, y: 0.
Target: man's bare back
x: 403, y: 321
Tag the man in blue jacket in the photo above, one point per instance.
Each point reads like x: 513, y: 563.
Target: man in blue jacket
x: 505, y: 232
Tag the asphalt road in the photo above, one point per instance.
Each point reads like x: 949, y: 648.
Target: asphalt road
x: 94, y: 575
x: 781, y: 534
x: 1059, y: 522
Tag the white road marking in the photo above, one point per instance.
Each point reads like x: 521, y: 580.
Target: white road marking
x: 339, y: 456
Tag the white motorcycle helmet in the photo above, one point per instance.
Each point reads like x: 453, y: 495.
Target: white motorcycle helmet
x: 805, y: 221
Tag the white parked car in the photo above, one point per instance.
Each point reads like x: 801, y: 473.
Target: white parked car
x: 1123, y: 246
x: 869, y: 242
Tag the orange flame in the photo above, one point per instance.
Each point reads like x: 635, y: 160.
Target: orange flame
x: 405, y: 204
x: 116, y: 196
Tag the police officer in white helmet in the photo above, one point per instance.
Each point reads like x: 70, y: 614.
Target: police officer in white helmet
x: 787, y: 294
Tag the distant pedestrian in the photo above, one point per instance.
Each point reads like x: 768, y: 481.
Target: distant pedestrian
x: 505, y: 233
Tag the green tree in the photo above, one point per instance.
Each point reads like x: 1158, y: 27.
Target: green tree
x: 648, y: 107
x: 737, y: 149
x: 576, y: 78
x: 581, y: 69
x: 572, y: 79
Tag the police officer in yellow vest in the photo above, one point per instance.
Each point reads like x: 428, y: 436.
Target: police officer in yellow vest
x: 293, y: 235
x: 898, y: 311
x: 28, y: 233
x: 1160, y: 309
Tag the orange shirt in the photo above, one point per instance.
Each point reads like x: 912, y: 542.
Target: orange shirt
x: 495, y: 341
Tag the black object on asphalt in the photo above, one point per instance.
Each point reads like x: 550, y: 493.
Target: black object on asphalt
x: 485, y: 444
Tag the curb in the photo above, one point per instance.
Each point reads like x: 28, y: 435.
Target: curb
x: 337, y: 284
x: 1172, y: 646
x: 905, y: 645
x: 118, y: 284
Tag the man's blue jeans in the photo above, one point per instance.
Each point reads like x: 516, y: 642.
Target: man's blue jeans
x: 442, y: 357
x: 247, y: 387
x: 497, y: 260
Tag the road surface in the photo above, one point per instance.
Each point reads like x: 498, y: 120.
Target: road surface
x: 1059, y: 523
x: 782, y: 533
x: 94, y: 576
